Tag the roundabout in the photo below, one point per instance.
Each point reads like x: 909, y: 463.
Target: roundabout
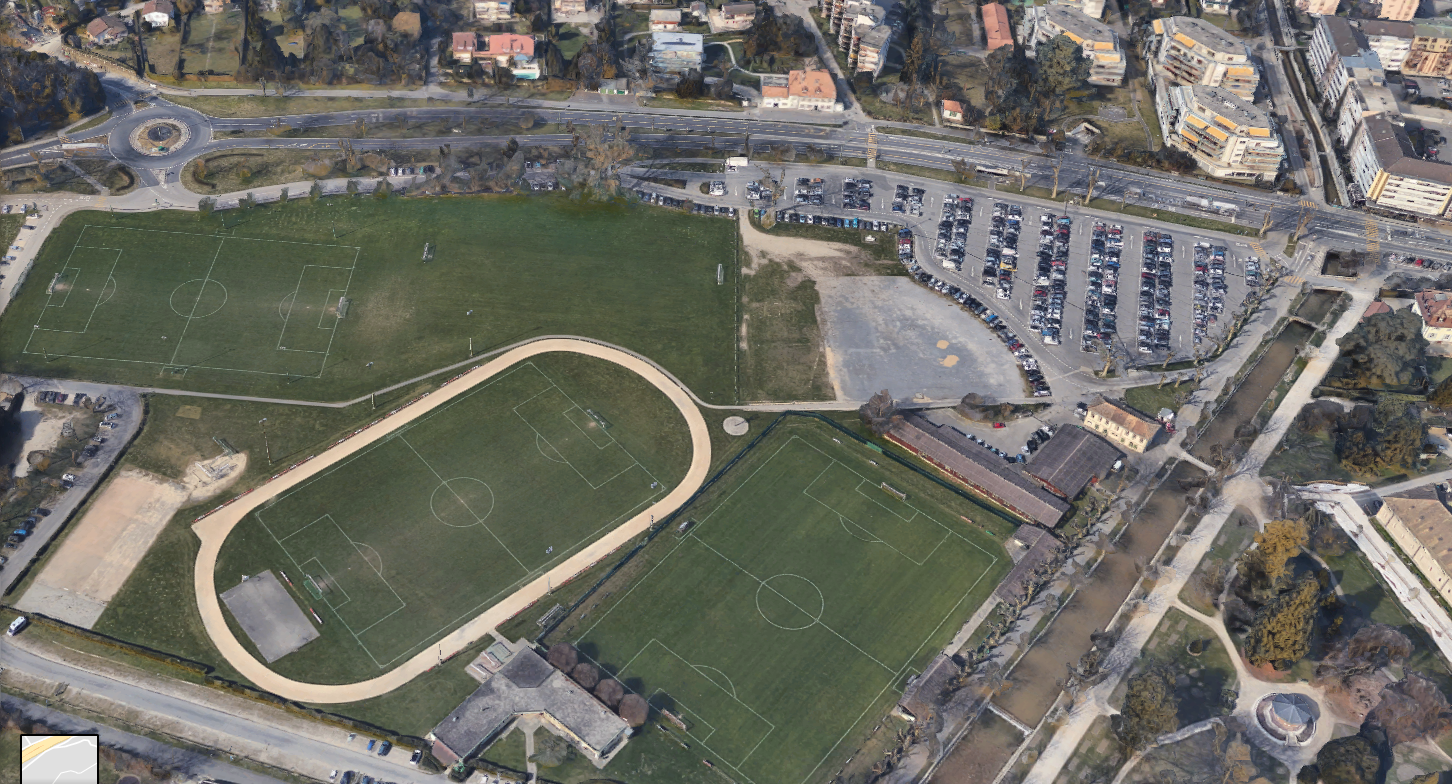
x: 160, y: 136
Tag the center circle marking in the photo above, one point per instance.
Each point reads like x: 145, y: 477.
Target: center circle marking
x: 465, y: 494
x: 802, y: 593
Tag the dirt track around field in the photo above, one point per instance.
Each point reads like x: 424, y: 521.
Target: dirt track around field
x: 213, y: 529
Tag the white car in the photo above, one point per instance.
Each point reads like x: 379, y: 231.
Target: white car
x: 16, y: 625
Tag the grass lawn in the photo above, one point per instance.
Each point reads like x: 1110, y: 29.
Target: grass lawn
x: 270, y: 106
x: 1206, y: 675
x: 168, y: 299
x: 211, y: 42
x: 784, y: 357
x: 1233, y: 538
x: 749, y: 627
x: 74, y: 132
x: 10, y: 227
x: 1152, y: 397
x: 10, y: 757
x: 425, y: 529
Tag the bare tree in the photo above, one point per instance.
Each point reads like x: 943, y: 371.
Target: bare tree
x: 609, y: 691
x: 633, y: 709
x: 563, y: 656
x: 880, y: 412
x: 586, y: 675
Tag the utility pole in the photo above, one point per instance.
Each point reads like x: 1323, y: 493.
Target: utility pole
x: 1058, y: 162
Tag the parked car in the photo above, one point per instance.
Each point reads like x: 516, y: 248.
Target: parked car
x: 17, y: 625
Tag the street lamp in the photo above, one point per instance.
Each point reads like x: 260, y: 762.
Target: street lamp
x: 265, y: 445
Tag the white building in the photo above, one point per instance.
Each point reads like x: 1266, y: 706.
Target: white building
x: 677, y: 52
x: 158, y: 13
x: 1366, y: 95
x: 1336, y: 50
x: 1435, y: 308
x: 1227, y: 136
x: 1192, y: 51
x: 1099, y: 42
x: 1392, y: 41
x: 1389, y: 174
x: 811, y: 91
x: 493, y: 10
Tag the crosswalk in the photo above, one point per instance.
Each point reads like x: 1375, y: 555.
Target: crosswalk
x: 1373, y: 240
x: 872, y: 148
x: 1307, y: 203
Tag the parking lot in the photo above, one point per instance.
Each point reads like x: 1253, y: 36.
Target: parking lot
x: 1173, y: 307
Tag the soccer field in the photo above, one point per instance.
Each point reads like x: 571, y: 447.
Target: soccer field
x: 400, y: 543
x: 797, y: 604
x: 170, y: 300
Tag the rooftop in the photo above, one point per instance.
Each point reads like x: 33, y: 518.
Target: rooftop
x: 678, y: 42
x: 509, y: 43
x: 1127, y: 418
x: 811, y: 84
x: 1037, y: 546
x: 738, y: 9
x: 1436, y: 308
x: 1427, y: 518
x: 1072, y: 458
x: 1381, y: 27
x: 666, y: 15
x: 996, y: 26
x: 1228, y: 110
x: 1395, y: 153
x: 1345, y: 39
x: 1077, y: 26
x: 528, y: 684
x: 1203, y: 33
x: 951, y: 449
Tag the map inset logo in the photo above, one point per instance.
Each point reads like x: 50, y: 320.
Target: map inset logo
x: 58, y: 759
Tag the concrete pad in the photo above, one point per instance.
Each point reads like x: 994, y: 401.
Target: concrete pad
x: 891, y: 333
x: 269, y: 615
x: 62, y: 604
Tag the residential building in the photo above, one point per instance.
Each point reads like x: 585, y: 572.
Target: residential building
x: 527, y: 686
x: 1071, y: 460
x: 158, y: 13
x: 565, y: 8
x: 493, y: 10
x: 1100, y: 43
x: 515, y: 52
x: 1336, y: 50
x: 864, y: 31
x: 676, y: 52
x: 1193, y: 51
x: 952, y: 112
x: 1420, y: 524
x: 978, y: 469
x: 464, y: 46
x: 1366, y: 95
x: 1435, y: 308
x: 737, y: 16
x: 811, y: 91
x: 106, y: 30
x: 996, y: 26
x: 1431, y: 50
x: 1122, y: 425
x: 665, y: 20
x: 1319, y: 7
x: 1389, y: 175
x: 870, y: 51
x: 214, y: 6
x: 1217, y: 7
x: 1399, y: 10
x: 1228, y: 137
x: 1094, y: 9
x: 1391, y: 41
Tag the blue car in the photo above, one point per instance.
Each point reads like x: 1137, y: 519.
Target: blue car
x: 371, y: 744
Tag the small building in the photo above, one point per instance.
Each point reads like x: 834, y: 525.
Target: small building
x: 617, y: 86
x: 1421, y: 526
x: 736, y: 16
x: 1072, y: 459
x: 106, y: 30
x: 924, y: 693
x: 526, y: 685
x: 811, y: 91
x: 677, y: 52
x: 214, y: 6
x: 665, y: 20
x: 1029, y: 547
x: 952, y: 112
x: 158, y: 13
x: 978, y: 469
x: 493, y: 10
x: 1122, y: 425
x: 1435, y: 308
x: 407, y: 22
x: 515, y: 52
x: 1375, y: 309
x: 996, y: 27
x: 567, y: 8
x: 464, y: 46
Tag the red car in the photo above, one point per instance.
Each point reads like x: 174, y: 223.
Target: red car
x: 997, y: 425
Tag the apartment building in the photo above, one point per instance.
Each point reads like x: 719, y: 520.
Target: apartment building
x: 737, y: 16
x: 1366, y: 95
x: 1227, y: 136
x: 1122, y: 425
x: 1094, y: 9
x: 864, y: 31
x: 564, y: 8
x: 1101, y: 45
x: 996, y: 26
x: 1338, y: 48
x: 1192, y: 51
x: 515, y: 52
x: 1319, y: 7
x: 1435, y: 308
x: 493, y: 10
x: 1388, y: 173
x: 1391, y: 41
x: 811, y: 91
x: 1421, y: 526
x: 1399, y: 10
x: 676, y: 52
x: 1431, y: 50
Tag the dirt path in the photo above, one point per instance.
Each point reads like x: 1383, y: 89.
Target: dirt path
x: 213, y: 529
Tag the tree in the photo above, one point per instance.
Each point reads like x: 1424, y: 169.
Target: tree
x: 914, y: 58
x: 1441, y: 397
x: 315, y: 192
x: 1350, y: 760
x: 1411, y: 709
x: 205, y: 206
x: 563, y: 656
x: 1150, y: 709
x: 1370, y: 649
x: 633, y: 709
x: 1280, y: 634
x: 586, y: 674
x: 691, y: 85
x: 1387, y: 436
x: 880, y: 413
x: 609, y: 691
x: 282, y: 196
x: 966, y: 171
x: 1386, y: 349
x: 1264, y: 565
x: 353, y: 188
x: 1059, y: 65
x: 723, y: 89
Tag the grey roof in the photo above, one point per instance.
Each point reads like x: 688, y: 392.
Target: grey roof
x: 1230, y: 106
x: 1293, y: 708
x: 1041, y: 546
x: 1381, y: 27
x: 925, y: 691
x: 1071, y: 459
x: 1004, y: 484
x: 1347, y: 40
x: 877, y: 37
x: 1395, y: 153
x: 1208, y: 34
x: 528, y: 684
x: 1078, y: 23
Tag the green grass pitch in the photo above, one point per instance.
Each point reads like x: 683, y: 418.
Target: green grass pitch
x: 429, y: 526
x: 168, y: 299
x: 797, y: 605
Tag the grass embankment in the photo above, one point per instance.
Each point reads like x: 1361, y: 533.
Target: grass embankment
x: 275, y: 106
x: 89, y: 124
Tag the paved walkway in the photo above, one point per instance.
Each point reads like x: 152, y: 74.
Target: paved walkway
x: 212, y: 529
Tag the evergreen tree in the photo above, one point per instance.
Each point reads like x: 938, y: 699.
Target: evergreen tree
x: 1281, y: 632
x: 1150, y: 709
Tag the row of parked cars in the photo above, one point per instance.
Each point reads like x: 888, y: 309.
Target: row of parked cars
x: 788, y: 216
x: 1101, y: 293
x: 909, y: 200
x: 1210, y: 287
x: 856, y: 194
x: 953, y: 231
x: 1021, y: 354
x: 1000, y: 260
x: 1252, y: 272
x: 698, y: 209
x: 809, y: 190
x: 1047, y: 315
x: 1155, y: 281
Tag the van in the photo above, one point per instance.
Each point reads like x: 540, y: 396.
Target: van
x: 16, y: 625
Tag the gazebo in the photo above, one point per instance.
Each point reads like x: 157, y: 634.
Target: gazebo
x: 1289, y: 718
